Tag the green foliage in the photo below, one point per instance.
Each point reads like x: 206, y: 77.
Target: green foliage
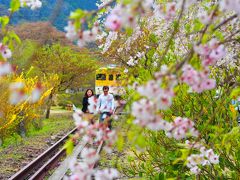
x: 16, y: 118
x: 15, y: 5
x: 77, y: 16
x: 69, y: 145
x: 159, y: 157
x: 22, y: 54
x: 4, y: 20
x: 11, y: 38
x: 48, y: 127
x: 156, y: 156
x: 27, y: 15
x: 64, y: 99
x: 73, y: 69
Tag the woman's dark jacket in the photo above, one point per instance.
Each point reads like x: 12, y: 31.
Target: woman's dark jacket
x: 85, y: 104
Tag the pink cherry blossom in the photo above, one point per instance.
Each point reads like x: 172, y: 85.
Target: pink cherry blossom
x: 79, y: 121
x: 144, y: 111
x: 81, y: 171
x: 71, y: 34
x: 82, y: 37
x: 150, y: 90
x: 164, y: 100
x: 113, y: 22
x: 5, y: 51
x: 199, y: 81
x: 204, y: 17
x: 210, y: 53
x: 159, y: 124
x: 106, y: 174
x: 92, y: 104
x: 181, y: 127
x: 170, y: 10
x: 6, y: 68
x: 167, y: 11
x: 33, y: 4
x: 89, y: 155
x: 195, y: 170
x: 208, y: 84
x: 218, y: 52
x: 17, y: 93
x: 205, y: 158
x: 230, y: 5
x: 36, y: 93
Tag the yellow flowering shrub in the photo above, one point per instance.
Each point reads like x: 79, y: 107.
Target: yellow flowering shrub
x: 11, y: 115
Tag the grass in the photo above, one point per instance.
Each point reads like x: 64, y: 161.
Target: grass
x: 57, y: 108
x: 49, y: 127
x: 17, y: 152
x: 118, y: 158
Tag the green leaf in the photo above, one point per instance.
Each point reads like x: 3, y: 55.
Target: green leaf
x: 235, y: 92
x: 120, y: 142
x: 103, y: 10
x: 15, y: 37
x: 153, y: 38
x: 187, y: 27
x: 129, y: 31
x: 219, y: 35
x: 161, y: 176
x: 14, y: 5
x: 4, y: 20
x: 78, y: 14
x: 205, y: 38
x: 141, y: 141
x: 175, y: 24
x: 151, y: 53
x: 130, y: 158
x: 197, y: 25
x: 126, y: 2
x: 5, y: 39
x: 69, y: 145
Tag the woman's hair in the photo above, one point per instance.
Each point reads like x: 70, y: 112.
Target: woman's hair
x: 87, y: 91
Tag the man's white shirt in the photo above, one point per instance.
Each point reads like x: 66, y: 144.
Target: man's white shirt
x: 105, y: 103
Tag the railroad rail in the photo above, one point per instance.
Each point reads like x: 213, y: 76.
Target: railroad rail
x: 43, y: 164
x: 62, y: 170
x: 40, y: 166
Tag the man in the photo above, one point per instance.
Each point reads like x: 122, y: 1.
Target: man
x: 105, y: 104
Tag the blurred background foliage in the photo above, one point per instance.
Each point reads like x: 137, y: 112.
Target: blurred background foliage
x: 43, y: 14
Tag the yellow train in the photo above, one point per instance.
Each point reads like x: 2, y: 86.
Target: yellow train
x: 109, y: 76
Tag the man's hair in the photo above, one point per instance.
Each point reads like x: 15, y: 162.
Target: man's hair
x: 105, y: 87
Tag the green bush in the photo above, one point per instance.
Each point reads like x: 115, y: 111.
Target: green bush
x: 64, y: 99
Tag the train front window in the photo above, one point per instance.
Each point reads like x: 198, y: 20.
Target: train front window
x: 101, y: 77
x: 110, y: 77
x: 118, y: 76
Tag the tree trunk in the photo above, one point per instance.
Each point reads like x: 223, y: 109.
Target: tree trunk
x: 22, y: 130
x: 49, y: 105
x: 21, y: 126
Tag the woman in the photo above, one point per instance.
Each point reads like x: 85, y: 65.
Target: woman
x: 89, y: 93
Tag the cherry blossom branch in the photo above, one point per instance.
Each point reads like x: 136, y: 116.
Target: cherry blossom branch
x: 229, y: 38
x: 102, y: 7
x: 175, y: 30
x: 189, y: 55
x: 225, y: 21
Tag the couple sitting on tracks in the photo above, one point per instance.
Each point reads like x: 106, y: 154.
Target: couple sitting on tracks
x: 104, y: 105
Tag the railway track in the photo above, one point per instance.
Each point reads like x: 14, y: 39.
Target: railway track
x: 39, y: 167
x: 63, y: 170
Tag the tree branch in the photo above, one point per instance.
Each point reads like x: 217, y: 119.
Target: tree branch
x: 225, y: 21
